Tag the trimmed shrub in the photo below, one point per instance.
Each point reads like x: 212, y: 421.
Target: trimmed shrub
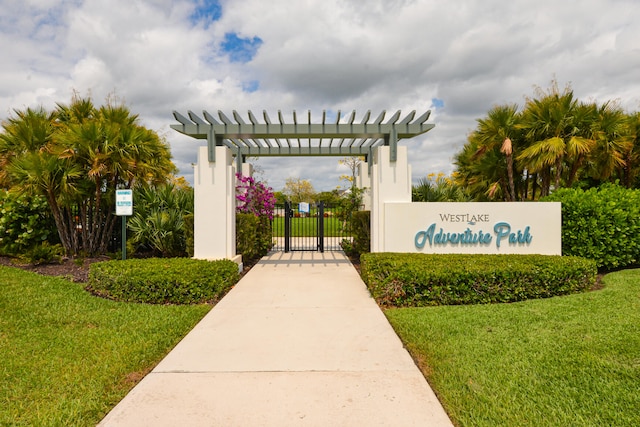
x: 415, y: 280
x: 163, y: 280
x: 189, y: 232
x: 602, y: 224
x: 361, y: 231
x: 253, y: 236
x: 361, y: 223
x: 25, y: 222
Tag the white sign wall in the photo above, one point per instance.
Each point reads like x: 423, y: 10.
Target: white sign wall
x: 474, y: 228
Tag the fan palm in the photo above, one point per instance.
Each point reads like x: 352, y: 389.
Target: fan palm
x: 77, y: 156
x: 497, y: 132
x: 555, y: 125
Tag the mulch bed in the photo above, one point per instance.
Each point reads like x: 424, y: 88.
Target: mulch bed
x: 76, y: 270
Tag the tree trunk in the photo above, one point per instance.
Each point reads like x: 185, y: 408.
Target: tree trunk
x: 59, y: 220
x: 512, y: 187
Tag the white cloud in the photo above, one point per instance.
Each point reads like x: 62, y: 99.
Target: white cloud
x: 318, y: 55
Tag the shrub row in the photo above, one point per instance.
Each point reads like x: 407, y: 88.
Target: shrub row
x: 602, y: 224
x: 163, y: 281
x: 403, y: 280
x: 253, y: 236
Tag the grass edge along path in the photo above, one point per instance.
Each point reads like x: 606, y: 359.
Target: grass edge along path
x: 67, y: 357
x: 571, y: 360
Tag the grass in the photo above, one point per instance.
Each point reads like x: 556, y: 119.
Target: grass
x: 307, y: 227
x: 66, y: 357
x: 564, y: 361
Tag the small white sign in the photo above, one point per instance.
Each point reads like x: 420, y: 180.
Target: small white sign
x: 124, y: 202
x: 303, y: 207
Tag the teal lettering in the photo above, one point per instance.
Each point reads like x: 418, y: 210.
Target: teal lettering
x: 502, y: 231
x: 422, y: 236
x: 468, y: 237
x: 486, y: 239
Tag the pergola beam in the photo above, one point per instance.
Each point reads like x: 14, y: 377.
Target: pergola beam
x: 257, y: 138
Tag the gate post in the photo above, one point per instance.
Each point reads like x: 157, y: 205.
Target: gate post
x: 287, y: 226
x: 320, y: 227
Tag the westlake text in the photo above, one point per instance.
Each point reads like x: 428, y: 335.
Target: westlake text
x: 501, y: 231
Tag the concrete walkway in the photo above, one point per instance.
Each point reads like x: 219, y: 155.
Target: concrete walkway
x: 297, y: 342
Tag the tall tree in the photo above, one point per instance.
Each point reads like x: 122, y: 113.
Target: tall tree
x: 630, y: 170
x: 613, y: 142
x: 352, y: 163
x: 554, y: 125
x: 78, y: 164
x: 556, y: 141
x: 298, y: 190
x: 498, y: 131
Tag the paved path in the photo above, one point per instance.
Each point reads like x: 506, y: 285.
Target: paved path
x: 297, y: 342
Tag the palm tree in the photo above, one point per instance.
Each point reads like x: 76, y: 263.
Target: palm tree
x: 438, y: 189
x: 630, y: 170
x: 115, y: 152
x: 29, y: 131
x: 554, y: 125
x: 77, y: 156
x: 613, y: 142
x: 497, y: 132
x: 483, y: 177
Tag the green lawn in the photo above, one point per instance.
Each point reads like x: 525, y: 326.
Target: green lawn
x: 564, y: 361
x: 66, y: 357
x: 308, y: 227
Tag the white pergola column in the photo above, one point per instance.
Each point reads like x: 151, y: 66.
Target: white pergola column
x: 247, y: 169
x: 215, y: 206
x: 390, y: 182
x: 363, y: 180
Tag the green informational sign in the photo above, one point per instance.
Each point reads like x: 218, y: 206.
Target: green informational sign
x: 124, y: 208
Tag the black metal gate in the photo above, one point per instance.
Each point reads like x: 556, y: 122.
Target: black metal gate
x: 308, y: 227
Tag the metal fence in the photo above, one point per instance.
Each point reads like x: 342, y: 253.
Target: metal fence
x: 309, y: 227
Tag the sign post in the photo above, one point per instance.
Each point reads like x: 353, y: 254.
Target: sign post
x: 124, y: 208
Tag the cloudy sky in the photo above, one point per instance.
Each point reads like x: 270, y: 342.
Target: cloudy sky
x: 457, y: 58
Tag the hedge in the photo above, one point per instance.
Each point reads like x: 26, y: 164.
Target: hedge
x: 253, y: 236
x: 163, y: 280
x: 402, y: 280
x: 602, y: 224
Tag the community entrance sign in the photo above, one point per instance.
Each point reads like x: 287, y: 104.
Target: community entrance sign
x: 385, y: 170
x: 475, y: 228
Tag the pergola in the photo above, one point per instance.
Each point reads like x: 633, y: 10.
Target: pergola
x: 388, y: 175
x: 337, y: 137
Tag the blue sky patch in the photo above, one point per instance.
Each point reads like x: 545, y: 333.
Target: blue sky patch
x: 250, y: 86
x: 437, y: 103
x: 206, y: 11
x: 239, y: 49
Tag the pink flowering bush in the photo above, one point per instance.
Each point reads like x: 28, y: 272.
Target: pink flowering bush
x: 254, y: 207
x: 254, y: 197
